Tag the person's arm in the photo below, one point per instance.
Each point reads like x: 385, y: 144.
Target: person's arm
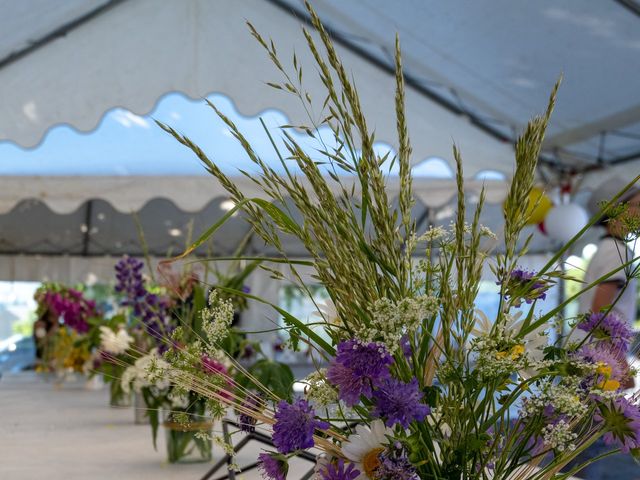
x: 605, y: 294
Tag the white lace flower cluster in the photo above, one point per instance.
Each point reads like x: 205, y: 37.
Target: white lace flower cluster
x: 505, y: 348
x: 178, y: 399
x: 147, y: 371
x: 318, y: 390
x: 559, y: 436
x: 439, y: 232
x: 433, y: 234
x: 565, y: 399
x: 115, y: 343
x: 392, y: 320
x: 498, y: 356
x: 217, y: 318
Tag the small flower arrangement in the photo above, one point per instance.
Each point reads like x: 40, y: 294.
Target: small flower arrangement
x: 64, y: 331
x: 67, y: 304
x: 412, y: 382
x: 170, y: 326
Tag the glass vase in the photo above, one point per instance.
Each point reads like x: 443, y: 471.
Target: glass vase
x: 140, y: 410
x: 119, y: 399
x: 188, y: 442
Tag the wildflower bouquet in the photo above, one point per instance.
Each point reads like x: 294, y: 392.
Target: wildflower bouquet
x: 64, y: 332
x: 174, y: 322
x: 412, y: 382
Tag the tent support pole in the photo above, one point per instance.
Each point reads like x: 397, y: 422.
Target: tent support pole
x: 87, y: 230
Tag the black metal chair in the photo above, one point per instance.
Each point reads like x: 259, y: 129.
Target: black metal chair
x: 253, y: 436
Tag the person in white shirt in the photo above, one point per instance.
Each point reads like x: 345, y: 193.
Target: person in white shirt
x: 619, y: 290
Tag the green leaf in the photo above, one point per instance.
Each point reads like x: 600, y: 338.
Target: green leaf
x: 290, y: 320
x: 153, y: 408
x: 282, y: 219
x: 431, y: 395
x: 276, y: 377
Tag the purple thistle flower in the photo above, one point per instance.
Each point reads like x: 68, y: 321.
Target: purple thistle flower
x: 272, y: 467
x: 295, y: 425
x: 394, y: 465
x: 609, y: 327
x: 621, y: 420
x: 339, y: 472
x: 405, y: 343
x: 357, y: 368
x: 399, y: 402
x: 608, y: 361
x: 520, y: 285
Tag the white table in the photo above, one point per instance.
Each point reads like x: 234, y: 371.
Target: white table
x: 71, y: 434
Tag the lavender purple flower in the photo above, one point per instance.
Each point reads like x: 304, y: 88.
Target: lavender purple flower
x: 272, y: 467
x: 151, y: 309
x: 610, y: 328
x: 621, y: 420
x: 130, y: 282
x: 405, y: 343
x: 399, y: 402
x: 520, y: 285
x: 295, y: 425
x: 610, y: 369
x: 338, y: 471
x: 357, y: 368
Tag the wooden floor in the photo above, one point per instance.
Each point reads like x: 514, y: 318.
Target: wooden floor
x: 71, y: 434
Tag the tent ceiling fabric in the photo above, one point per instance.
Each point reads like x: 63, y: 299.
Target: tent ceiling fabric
x: 66, y: 194
x: 199, y: 47
x: 497, y: 60
x: 23, y: 23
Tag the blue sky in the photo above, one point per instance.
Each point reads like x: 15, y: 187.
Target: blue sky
x: 127, y: 144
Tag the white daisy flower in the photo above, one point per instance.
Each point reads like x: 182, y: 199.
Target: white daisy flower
x: 364, y: 447
x: 114, y: 343
x: 328, y: 312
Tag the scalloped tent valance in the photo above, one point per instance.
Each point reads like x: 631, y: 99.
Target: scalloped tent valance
x: 135, y: 52
x: 65, y: 194
x: 103, y: 219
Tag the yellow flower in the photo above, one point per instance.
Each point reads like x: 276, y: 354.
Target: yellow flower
x: 609, y: 385
x: 517, y: 351
x: 371, y: 461
x: 604, y: 369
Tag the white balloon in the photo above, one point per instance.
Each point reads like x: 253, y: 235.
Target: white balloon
x: 563, y: 222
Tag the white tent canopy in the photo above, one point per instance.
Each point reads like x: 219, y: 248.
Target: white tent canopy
x: 470, y: 81
x: 133, y: 53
